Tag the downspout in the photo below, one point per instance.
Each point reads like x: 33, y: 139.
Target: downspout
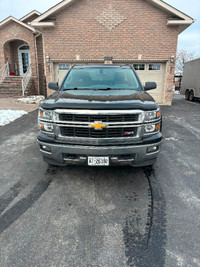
x: 37, y: 60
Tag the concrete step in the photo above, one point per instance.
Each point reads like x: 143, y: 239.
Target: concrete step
x: 10, y: 85
x: 2, y: 89
x: 10, y: 80
x: 14, y: 78
x: 11, y: 91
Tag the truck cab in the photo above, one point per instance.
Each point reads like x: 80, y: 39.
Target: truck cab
x: 100, y: 115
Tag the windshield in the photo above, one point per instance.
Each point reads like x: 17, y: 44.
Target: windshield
x: 101, y: 79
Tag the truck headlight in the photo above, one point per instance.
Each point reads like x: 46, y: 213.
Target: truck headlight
x: 152, y: 115
x: 48, y: 127
x: 46, y: 114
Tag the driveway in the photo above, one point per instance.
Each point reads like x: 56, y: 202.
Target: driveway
x: 11, y: 103
x: 81, y: 216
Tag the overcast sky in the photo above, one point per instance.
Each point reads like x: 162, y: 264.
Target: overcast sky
x: 188, y: 40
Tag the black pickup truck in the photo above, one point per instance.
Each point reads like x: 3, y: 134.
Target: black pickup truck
x: 100, y: 115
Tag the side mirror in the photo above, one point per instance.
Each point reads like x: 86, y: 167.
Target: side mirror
x: 53, y: 86
x: 150, y: 86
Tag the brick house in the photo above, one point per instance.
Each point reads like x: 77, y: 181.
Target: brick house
x: 142, y: 33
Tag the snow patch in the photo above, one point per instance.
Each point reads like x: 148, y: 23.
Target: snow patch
x: 179, y: 259
x: 190, y: 198
x: 7, y: 116
x: 171, y: 139
x: 176, y: 92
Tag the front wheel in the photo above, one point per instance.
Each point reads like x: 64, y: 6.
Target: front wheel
x: 187, y: 93
x: 191, y: 96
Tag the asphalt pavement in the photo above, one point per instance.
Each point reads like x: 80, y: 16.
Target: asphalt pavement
x: 112, y: 216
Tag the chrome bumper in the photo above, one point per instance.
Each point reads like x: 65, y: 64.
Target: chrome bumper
x: 134, y: 155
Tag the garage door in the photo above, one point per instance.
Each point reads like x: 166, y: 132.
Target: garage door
x: 153, y: 72
x: 60, y: 70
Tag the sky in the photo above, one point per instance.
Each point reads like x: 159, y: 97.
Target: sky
x: 188, y: 40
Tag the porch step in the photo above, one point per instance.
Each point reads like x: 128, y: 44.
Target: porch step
x: 10, y: 93
x: 11, y: 86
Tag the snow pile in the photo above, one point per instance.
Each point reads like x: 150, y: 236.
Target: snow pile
x: 176, y: 92
x: 6, y: 116
x: 35, y: 99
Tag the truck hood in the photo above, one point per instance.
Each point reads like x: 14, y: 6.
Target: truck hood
x: 100, y: 99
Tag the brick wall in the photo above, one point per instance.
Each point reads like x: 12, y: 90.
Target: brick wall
x: 123, y: 29
x: 144, y: 31
x: 40, y: 63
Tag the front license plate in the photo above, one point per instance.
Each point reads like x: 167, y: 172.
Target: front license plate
x: 98, y: 161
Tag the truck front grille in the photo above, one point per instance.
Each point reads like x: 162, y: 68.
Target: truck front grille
x: 87, y: 124
x: 92, y: 133
x: 103, y: 118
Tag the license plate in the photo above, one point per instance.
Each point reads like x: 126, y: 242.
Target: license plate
x: 98, y: 161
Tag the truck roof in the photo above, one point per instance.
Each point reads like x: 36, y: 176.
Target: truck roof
x: 195, y: 59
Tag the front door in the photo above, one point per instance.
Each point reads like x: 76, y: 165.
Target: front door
x: 24, y: 60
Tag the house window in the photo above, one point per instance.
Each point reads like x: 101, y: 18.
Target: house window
x: 139, y: 66
x: 154, y: 66
x: 63, y: 66
x: 24, y: 47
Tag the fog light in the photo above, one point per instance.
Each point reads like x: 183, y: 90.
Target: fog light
x: 152, y: 149
x: 45, y: 148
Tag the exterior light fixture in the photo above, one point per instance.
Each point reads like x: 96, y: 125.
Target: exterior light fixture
x: 172, y: 59
x: 108, y: 60
x: 48, y: 60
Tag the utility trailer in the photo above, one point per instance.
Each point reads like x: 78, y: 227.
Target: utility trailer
x: 191, y: 80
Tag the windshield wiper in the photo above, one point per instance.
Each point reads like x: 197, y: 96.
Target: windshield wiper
x: 76, y: 88
x: 108, y: 88
x: 96, y: 89
x: 103, y: 89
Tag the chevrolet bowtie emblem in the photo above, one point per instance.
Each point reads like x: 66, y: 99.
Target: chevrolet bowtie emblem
x: 98, y: 125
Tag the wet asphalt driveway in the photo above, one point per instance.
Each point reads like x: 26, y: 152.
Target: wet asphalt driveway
x: 82, y: 216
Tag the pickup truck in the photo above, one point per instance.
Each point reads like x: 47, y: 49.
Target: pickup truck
x: 100, y: 115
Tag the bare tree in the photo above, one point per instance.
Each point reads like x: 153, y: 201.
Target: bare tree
x: 181, y: 58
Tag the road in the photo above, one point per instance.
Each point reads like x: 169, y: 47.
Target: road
x: 114, y: 216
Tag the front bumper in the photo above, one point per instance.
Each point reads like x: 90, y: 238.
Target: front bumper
x: 134, y: 155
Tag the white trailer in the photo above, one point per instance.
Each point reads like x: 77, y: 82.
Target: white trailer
x: 191, y: 80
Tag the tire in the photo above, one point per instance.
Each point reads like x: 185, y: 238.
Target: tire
x: 187, y: 93
x: 191, y: 96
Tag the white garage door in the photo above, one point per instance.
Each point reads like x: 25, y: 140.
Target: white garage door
x: 60, y: 70
x: 153, y: 72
